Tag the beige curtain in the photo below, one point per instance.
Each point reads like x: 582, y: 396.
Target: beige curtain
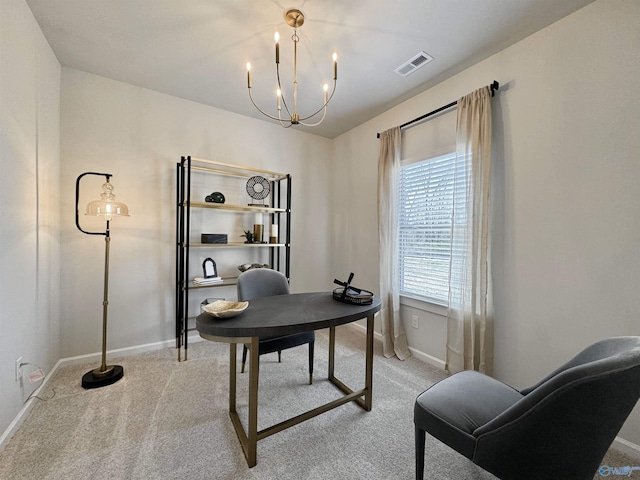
x: 394, y: 340
x: 470, y: 322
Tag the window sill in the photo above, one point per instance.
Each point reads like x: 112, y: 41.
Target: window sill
x: 430, y: 307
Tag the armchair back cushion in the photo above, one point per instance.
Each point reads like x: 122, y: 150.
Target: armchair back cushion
x: 261, y: 282
x: 560, y: 427
x: 569, y: 419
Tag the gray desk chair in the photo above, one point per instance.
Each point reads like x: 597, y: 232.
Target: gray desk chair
x: 559, y: 428
x: 264, y: 282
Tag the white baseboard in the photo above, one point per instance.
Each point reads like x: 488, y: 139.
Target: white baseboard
x: 25, y: 410
x: 620, y: 444
x: 425, y: 357
x: 123, y: 352
x: 77, y: 360
x: 624, y: 446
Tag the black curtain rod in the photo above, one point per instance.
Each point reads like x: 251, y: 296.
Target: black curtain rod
x: 493, y: 86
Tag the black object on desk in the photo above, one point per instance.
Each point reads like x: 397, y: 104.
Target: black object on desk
x: 350, y: 294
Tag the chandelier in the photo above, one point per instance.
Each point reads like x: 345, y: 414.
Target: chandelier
x: 295, y: 19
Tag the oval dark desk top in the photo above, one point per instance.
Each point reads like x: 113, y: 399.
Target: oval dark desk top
x: 286, y: 314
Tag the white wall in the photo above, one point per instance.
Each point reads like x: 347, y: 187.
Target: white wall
x: 29, y: 196
x: 138, y: 136
x: 565, y: 202
x: 566, y: 226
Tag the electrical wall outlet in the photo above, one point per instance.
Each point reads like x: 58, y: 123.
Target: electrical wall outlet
x: 18, y: 369
x: 35, y: 376
x: 414, y: 321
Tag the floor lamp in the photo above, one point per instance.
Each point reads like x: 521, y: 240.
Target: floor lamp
x: 106, y: 207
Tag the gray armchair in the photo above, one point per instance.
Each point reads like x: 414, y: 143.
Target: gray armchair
x: 264, y: 282
x: 559, y: 428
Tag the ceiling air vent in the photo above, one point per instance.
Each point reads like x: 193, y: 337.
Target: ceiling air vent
x: 413, y: 64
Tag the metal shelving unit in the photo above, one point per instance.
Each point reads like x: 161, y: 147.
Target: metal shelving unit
x: 278, y: 208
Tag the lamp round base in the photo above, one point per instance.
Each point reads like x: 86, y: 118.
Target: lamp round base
x: 95, y: 380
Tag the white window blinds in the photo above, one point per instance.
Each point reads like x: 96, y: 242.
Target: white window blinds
x: 426, y: 203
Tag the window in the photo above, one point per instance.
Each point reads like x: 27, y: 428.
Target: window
x: 426, y: 207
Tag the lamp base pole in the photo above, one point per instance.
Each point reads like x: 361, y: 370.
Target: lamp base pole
x: 97, y: 378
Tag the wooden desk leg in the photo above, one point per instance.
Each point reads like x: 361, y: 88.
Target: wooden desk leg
x: 332, y: 351
x: 232, y: 377
x: 368, y: 397
x: 254, y: 370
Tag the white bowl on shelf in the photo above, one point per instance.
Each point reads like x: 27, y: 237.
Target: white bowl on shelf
x: 225, y: 309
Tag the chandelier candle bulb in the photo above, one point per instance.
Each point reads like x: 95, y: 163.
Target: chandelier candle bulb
x: 248, y: 75
x: 335, y: 66
x: 276, y: 36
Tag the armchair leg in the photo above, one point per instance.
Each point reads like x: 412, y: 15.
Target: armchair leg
x: 244, y: 357
x: 420, y: 434
x: 279, y: 356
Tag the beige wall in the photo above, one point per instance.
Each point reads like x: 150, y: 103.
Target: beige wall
x: 565, y: 220
x: 566, y: 226
x: 138, y: 136
x: 29, y: 199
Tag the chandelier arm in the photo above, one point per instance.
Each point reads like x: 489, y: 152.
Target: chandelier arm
x: 259, y: 109
x: 324, y: 113
x: 284, y: 102
x: 285, y: 123
x: 323, y: 106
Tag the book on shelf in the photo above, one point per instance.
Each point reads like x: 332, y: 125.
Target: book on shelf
x: 207, y: 281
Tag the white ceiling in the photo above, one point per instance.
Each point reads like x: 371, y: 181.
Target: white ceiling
x: 197, y: 49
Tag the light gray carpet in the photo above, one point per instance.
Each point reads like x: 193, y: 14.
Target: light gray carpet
x: 169, y: 420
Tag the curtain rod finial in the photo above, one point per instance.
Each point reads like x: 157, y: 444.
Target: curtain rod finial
x: 494, y: 86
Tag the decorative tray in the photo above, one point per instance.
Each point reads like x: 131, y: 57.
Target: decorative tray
x: 225, y: 309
